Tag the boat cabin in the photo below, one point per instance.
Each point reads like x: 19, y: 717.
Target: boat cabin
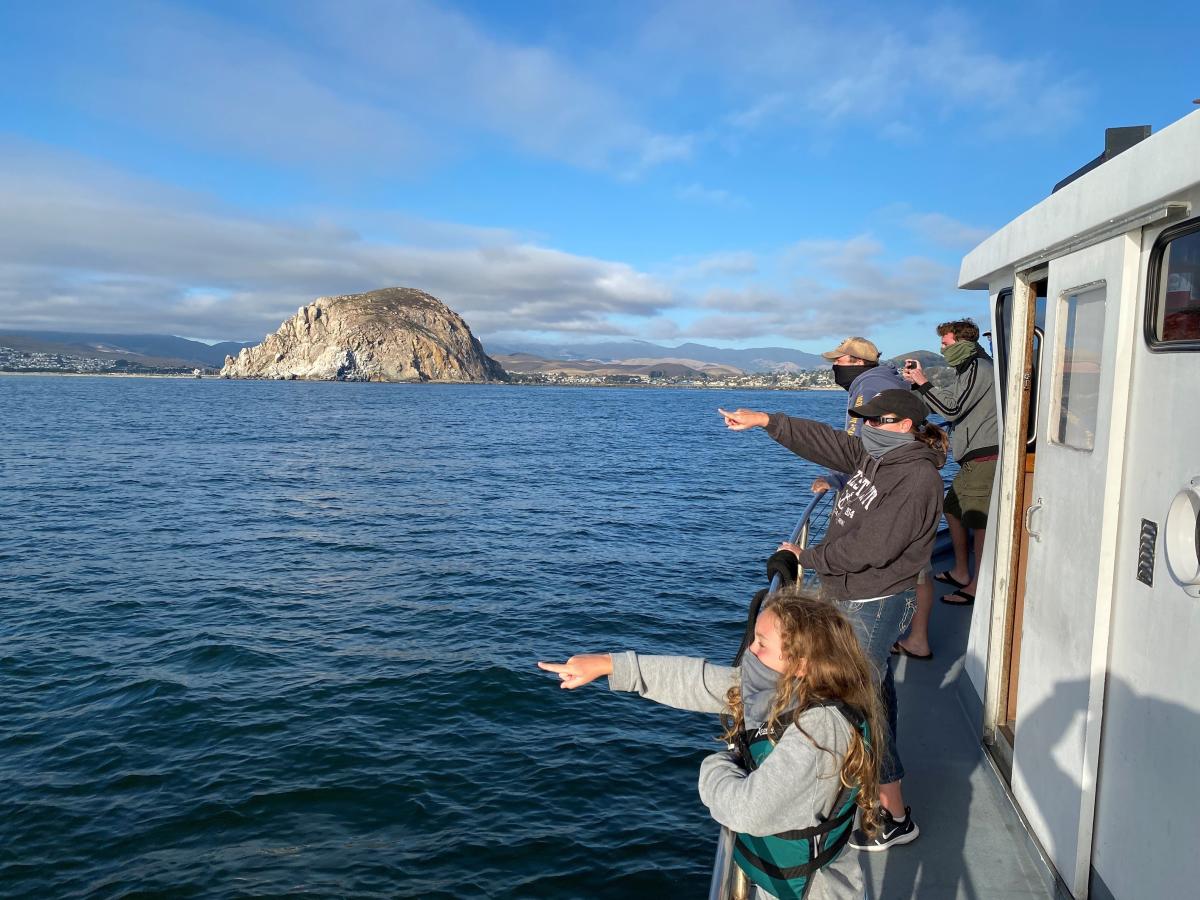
x: 1079, y: 668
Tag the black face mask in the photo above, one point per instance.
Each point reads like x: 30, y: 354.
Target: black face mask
x: 845, y: 375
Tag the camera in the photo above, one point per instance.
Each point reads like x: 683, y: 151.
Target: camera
x: 910, y: 364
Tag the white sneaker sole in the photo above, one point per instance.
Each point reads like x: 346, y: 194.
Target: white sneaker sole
x: 894, y: 842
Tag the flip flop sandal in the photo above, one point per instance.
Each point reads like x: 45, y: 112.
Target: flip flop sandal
x: 947, y: 578
x: 967, y: 599
x: 900, y: 650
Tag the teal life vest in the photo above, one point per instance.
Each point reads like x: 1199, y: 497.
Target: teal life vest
x: 784, y: 863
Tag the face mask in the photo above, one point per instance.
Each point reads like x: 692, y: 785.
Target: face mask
x: 959, y: 352
x: 758, y: 689
x: 844, y: 375
x: 878, y: 441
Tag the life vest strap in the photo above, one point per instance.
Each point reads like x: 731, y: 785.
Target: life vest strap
x: 824, y: 858
x: 825, y: 827
x: 744, y: 738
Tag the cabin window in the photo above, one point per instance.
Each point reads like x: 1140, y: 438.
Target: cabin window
x: 1080, y: 329
x: 1173, y: 313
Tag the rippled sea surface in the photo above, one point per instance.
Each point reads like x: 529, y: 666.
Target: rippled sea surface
x: 276, y: 639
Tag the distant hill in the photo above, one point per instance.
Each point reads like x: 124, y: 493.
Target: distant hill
x: 622, y: 357
x: 695, y: 356
x: 927, y: 358
x: 756, y: 359
x: 152, y: 350
x: 527, y: 364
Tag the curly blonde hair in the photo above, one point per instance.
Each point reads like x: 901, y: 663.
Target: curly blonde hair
x: 815, y: 633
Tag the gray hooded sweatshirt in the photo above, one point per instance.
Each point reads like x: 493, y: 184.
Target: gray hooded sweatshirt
x: 796, y: 786
x: 882, y: 526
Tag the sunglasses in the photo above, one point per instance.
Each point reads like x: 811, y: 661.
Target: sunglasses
x: 883, y: 420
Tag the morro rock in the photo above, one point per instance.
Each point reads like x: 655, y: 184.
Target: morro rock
x: 394, y: 334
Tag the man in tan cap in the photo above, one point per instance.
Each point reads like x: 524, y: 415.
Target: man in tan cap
x: 858, y: 348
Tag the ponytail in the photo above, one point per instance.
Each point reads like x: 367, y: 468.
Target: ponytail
x: 933, y: 437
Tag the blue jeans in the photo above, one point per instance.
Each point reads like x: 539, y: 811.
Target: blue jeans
x: 879, y: 624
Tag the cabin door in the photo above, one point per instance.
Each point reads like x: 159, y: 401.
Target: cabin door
x: 1063, y: 523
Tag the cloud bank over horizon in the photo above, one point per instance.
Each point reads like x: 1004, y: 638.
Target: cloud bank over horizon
x: 667, y: 171
x: 88, y: 247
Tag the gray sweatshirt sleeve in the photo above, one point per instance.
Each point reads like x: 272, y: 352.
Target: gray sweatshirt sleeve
x: 795, y: 787
x: 684, y: 682
x: 817, y: 442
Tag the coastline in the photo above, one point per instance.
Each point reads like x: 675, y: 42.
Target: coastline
x: 703, y: 387
x: 108, y: 375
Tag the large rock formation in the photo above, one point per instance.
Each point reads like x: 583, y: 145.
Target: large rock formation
x: 395, y: 334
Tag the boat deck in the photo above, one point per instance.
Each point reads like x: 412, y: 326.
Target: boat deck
x: 973, y: 845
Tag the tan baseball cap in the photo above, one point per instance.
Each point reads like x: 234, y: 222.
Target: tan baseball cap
x: 858, y: 347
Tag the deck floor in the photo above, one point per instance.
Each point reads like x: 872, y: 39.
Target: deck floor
x: 972, y: 844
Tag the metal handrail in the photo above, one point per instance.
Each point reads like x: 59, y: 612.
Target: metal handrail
x: 803, y: 529
x: 728, y: 881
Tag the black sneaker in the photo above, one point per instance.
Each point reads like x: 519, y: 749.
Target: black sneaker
x: 890, y: 833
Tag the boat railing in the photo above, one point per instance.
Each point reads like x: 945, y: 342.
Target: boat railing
x: 728, y: 882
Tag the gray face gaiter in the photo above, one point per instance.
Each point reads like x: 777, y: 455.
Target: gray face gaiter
x: 878, y: 441
x: 758, y: 689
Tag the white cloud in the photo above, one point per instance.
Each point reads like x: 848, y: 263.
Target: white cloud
x: 832, y: 288
x: 760, y: 111
x: 195, y: 78
x: 356, y: 86
x: 733, y: 263
x: 946, y: 231
x: 810, y: 65
x: 87, y: 248
x: 698, y: 193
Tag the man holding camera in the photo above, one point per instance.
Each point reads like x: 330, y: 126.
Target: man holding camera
x: 969, y: 406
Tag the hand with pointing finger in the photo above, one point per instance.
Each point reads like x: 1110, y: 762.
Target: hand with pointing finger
x: 580, y: 670
x: 744, y: 419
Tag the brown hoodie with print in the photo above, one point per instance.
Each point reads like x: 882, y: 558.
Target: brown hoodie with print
x: 883, y: 522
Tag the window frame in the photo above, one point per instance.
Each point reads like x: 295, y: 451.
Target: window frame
x: 1061, y: 350
x: 1002, y: 355
x: 1154, y: 281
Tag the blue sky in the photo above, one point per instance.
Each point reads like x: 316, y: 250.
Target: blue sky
x: 779, y: 173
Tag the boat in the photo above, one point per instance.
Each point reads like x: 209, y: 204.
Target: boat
x: 1078, y: 669
x: 1078, y: 677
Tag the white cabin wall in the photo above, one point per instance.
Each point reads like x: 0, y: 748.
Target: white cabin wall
x: 975, y: 657
x: 1148, y: 793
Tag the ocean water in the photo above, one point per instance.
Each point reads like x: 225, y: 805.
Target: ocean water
x: 268, y: 639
